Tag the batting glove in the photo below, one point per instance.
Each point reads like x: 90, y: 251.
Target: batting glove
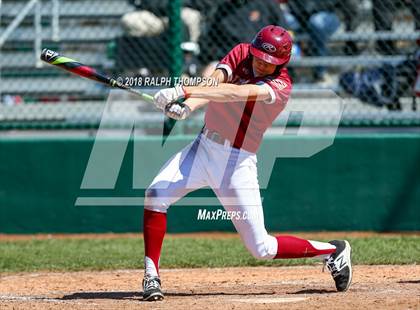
x: 177, y: 110
x: 168, y: 95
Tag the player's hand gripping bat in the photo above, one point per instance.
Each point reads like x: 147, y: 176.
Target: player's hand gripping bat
x: 80, y: 69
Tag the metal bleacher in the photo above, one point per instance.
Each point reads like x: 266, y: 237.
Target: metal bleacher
x: 96, y: 23
x: 85, y: 30
x: 343, y: 61
x: 75, y: 34
x: 366, y: 35
x: 16, y: 59
x: 82, y: 31
x: 72, y: 9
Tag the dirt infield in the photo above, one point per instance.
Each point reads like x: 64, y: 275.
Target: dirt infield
x: 374, y: 287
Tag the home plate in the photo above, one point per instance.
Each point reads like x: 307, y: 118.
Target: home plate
x: 269, y: 300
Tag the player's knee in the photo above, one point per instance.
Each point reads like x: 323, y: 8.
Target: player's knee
x: 154, y: 200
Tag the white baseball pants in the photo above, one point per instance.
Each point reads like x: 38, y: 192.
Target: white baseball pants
x: 231, y: 173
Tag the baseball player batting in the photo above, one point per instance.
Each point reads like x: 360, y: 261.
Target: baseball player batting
x: 254, y: 87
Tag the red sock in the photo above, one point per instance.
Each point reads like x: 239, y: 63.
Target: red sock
x: 293, y: 247
x: 154, y: 229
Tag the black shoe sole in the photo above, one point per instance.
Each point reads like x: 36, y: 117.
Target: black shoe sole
x: 154, y: 297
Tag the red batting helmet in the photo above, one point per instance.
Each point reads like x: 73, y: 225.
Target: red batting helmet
x: 272, y: 44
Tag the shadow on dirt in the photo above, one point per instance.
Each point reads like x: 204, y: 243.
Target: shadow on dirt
x: 409, y: 282
x: 103, y: 295
x: 138, y: 295
x: 314, y: 292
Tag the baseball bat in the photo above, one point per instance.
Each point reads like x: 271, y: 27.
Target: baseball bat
x: 80, y: 69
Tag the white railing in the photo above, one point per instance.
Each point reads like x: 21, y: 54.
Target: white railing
x: 38, y: 28
x: 16, y: 22
x: 38, y: 34
x: 55, y: 20
x: 18, y: 19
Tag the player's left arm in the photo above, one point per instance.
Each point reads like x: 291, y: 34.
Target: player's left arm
x: 175, y: 102
x: 198, y: 96
x: 194, y: 103
x: 226, y: 92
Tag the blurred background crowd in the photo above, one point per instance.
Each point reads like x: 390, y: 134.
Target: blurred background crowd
x: 367, y: 51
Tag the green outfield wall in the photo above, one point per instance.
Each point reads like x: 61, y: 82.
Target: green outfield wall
x: 361, y: 182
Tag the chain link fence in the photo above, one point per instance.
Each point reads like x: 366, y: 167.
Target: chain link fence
x: 366, y: 51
